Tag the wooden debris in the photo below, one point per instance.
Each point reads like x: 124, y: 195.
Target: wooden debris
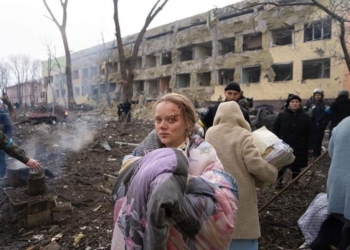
x: 96, y: 209
x: 77, y: 239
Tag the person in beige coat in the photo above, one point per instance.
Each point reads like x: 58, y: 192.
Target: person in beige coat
x: 233, y: 141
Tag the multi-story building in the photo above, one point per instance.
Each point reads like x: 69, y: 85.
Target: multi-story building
x: 28, y: 92
x: 271, y: 51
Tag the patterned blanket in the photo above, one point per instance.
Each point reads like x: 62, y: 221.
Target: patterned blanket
x: 159, y: 205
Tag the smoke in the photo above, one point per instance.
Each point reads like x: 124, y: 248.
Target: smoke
x: 53, y: 145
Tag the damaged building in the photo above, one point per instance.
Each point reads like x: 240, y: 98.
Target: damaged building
x: 271, y: 51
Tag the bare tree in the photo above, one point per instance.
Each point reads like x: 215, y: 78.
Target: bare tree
x: 127, y: 71
x: 35, y: 73
x: 49, y: 68
x: 62, y: 28
x: 20, y: 67
x: 338, y: 11
x: 4, y: 75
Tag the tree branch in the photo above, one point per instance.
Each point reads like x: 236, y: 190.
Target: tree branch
x: 51, y: 14
x: 149, y: 19
x: 64, y: 7
x: 343, y: 45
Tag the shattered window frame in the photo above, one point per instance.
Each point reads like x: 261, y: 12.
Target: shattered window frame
x: 225, y: 47
x: 251, y: 68
x: 322, y: 29
x: 223, y: 78
x: 184, y: 50
x: 153, y: 60
x: 282, y: 65
x: 166, y: 54
x: 288, y: 30
x: 323, y: 73
x: 245, y: 39
x: 187, y: 85
x: 200, y: 75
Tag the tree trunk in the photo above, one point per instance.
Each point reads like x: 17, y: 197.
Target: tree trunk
x: 71, y: 101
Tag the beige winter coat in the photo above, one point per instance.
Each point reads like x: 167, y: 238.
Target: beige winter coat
x: 233, y: 141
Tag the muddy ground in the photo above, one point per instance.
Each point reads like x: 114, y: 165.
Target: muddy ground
x: 72, y: 152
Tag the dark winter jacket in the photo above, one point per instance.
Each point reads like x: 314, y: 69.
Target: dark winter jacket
x: 294, y: 128
x: 5, y: 124
x: 339, y: 110
x: 207, y: 117
x: 317, y: 110
x: 12, y: 149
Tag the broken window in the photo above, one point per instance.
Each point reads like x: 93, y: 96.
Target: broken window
x: 282, y: 37
x: 284, y: 72
x: 203, y: 50
x: 183, y: 80
x: 203, y: 79
x: 164, y: 85
x: 252, y: 42
x: 76, y: 91
x: 226, y: 76
x: 138, y: 64
x: 48, y: 80
x: 152, y: 89
x: 166, y: 58
x: 151, y: 61
x: 185, y: 54
x: 319, y: 30
x: 112, y: 87
x: 251, y: 74
x: 227, y: 46
x: 139, y: 87
x: 316, y: 69
x: 85, y: 73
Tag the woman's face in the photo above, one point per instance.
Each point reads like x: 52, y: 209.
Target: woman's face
x: 170, y: 124
x: 294, y: 105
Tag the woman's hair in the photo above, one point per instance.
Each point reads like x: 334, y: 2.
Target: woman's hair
x: 188, y: 110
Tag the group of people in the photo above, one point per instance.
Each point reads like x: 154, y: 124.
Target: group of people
x: 161, y: 196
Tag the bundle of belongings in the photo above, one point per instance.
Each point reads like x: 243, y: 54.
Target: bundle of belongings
x: 321, y: 230
x: 272, y: 149
x: 161, y: 204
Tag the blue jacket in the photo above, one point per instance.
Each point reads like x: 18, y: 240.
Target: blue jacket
x: 5, y: 123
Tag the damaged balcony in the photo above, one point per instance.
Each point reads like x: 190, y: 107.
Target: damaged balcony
x: 226, y: 76
x: 316, y: 69
x: 281, y: 37
x: 284, y: 72
x: 252, y: 42
x: 203, y: 50
x: 227, y: 46
x: 251, y: 74
x: 151, y: 61
x: 183, y: 80
x: 185, y: 54
x: 203, y: 79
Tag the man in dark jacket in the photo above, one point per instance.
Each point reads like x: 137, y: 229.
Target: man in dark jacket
x: 6, y: 128
x: 127, y: 110
x: 293, y: 126
x: 339, y: 110
x: 12, y: 149
x: 232, y: 93
x: 120, y: 111
x: 316, y: 109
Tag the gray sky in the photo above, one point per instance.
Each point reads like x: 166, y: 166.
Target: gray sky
x: 24, y: 27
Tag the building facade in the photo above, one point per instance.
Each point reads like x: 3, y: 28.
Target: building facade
x: 27, y: 92
x: 271, y: 51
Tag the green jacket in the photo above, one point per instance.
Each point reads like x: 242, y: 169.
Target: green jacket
x: 244, y: 103
x: 12, y: 149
